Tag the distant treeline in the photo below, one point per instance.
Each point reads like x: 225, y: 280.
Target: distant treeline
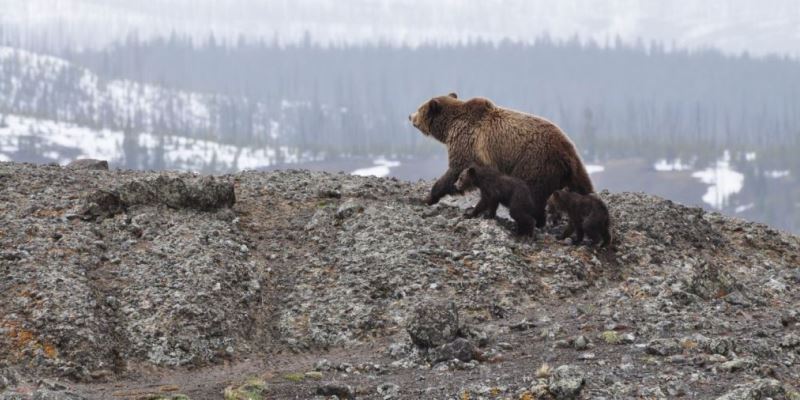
x: 622, y: 98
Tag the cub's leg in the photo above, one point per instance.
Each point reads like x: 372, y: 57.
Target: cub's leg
x: 482, y: 205
x: 578, y: 234
x: 492, y: 209
x: 567, y: 231
x: 524, y: 220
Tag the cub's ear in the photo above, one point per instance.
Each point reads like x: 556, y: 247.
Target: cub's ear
x: 471, y: 171
x: 434, y: 106
x: 453, y: 95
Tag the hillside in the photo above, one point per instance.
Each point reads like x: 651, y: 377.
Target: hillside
x: 126, y: 284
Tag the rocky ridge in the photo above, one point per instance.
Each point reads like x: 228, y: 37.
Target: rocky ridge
x: 344, y: 286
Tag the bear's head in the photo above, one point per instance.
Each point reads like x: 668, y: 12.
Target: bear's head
x: 466, y: 180
x: 432, y: 117
x: 557, y: 202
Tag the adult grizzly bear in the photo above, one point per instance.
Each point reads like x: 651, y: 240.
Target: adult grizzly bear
x: 515, y: 143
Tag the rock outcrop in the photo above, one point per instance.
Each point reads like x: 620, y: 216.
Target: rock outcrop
x: 108, y: 275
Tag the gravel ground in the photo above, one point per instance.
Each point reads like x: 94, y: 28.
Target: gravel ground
x: 131, y: 284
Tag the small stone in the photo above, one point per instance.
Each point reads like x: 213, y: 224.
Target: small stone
x: 790, y: 341
x: 348, y: 209
x: 388, y: 390
x: 322, y: 365
x: 737, y: 364
x: 505, y: 345
x: 459, y: 349
x: 340, y: 390
x: 433, y: 324
x: 566, y: 382
x: 315, y: 375
x: 758, y: 390
x: 580, y: 343
x: 663, y: 347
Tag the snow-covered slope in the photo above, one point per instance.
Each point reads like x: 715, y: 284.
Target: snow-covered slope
x: 47, y: 86
x: 42, y: 140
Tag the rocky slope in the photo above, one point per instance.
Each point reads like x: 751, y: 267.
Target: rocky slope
x: 129, y: 284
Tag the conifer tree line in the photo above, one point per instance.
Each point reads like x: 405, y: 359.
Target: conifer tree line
x: 613, y: 100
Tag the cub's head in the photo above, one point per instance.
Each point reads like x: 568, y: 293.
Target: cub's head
x: 431, y: 117
x: 557, y: 201
x: 466, y: 180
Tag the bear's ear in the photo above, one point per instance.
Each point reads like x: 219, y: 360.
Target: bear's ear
x: 434, y: 106
x: 453, y: 95
x: 471, y: 171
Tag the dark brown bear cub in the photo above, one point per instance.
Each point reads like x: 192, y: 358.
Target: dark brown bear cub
x: 587, y: 214
x: 497, y: 189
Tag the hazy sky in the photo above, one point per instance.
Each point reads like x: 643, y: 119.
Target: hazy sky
x: 758, y: 26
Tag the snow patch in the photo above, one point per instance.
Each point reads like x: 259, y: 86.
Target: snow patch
x: 677, y: 164
x: 593, y: 169
x: 178, y: 152
x: 724, y: 182
x: 743, y: 208
x: 380, y: 169
x: 776, y: 174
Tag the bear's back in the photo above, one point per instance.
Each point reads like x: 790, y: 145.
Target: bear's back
x: 504, y: 136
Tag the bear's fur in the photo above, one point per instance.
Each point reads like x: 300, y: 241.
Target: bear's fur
x: 515, y: 143
x: 497, y: 189
x: 587, y: 214
x: 553, y: 214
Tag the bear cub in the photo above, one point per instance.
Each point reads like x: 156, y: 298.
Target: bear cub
x: 497, y: 189
x: 587, y: 214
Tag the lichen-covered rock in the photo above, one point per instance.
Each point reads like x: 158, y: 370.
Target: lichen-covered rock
x: 566, y: 382
x: 433, y: 324
x: 149, y: 283
x: 205, y: 194
x: 459, y: 349
x: 88, y: 164
x: 663, y: 347
x: 762, y: 389
x: 344, y: 392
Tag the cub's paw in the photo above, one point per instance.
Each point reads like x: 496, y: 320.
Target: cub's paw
x: 469, y: 213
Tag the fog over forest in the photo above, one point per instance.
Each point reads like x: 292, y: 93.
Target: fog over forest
x: 223, y: 86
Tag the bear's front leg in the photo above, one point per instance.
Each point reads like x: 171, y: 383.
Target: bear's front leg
x: 443, y: 187
x: 567, y: 232
x: 478, y: 209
